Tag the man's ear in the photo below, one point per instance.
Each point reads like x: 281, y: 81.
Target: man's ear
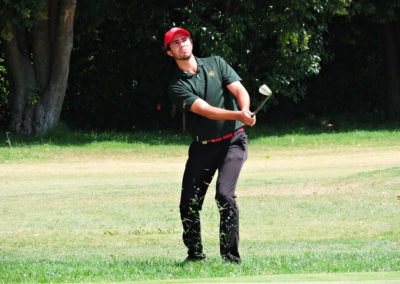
x: 170, y: 53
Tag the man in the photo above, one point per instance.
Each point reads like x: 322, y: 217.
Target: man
x: 209, y: 90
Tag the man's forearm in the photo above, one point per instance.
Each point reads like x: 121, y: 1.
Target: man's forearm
x: 244, y: 101
x: 221, y: 114
x: 202, y: 108
x: 241, y: 95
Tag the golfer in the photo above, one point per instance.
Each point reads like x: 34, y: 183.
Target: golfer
x: 217, y: 104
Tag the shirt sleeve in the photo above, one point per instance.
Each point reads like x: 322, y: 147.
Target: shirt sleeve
x: 181, y: 96
x: 227, y: 73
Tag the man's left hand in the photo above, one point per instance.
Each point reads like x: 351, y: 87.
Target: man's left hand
x: 247, y: 117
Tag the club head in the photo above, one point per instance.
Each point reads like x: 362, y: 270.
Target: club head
x: 265, y: 90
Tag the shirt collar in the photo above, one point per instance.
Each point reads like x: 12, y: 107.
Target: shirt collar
x: 183, y: 74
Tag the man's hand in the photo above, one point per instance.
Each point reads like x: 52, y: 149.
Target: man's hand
x: 243, y: 98
x: 247, y: 117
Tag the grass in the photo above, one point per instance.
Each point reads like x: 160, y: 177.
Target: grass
x: 62, y: 141
x: 104, y: 207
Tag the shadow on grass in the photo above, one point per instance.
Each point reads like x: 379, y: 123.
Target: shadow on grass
x: 61, y: 135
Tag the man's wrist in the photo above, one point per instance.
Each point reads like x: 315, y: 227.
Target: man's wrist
x: 238, y: 115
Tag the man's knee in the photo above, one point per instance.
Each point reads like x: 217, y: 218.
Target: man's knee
x: 226, y: 200
x: 188, y: 206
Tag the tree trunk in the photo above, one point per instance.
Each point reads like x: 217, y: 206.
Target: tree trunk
x: 39, y: 65
x: 391, y: 32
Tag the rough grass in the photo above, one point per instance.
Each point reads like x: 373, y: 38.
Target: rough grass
x: 106, y: 209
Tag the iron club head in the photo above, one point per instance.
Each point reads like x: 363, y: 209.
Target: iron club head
x: 265, y: 90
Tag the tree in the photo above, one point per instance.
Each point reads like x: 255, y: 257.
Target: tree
x: 387, y: 15
x: 280, y: 42
x: 38, y: 43
x: 3, y: 92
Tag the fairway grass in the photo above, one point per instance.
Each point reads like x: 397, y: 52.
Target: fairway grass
x: 316, y: 207
x: 316, y: 278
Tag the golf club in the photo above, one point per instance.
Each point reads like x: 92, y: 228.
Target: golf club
x: 264, y: 90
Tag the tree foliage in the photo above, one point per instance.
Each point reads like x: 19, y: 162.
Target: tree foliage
x: 352, y: 85
x: 278, y: 42
x: 4, y: 112
x: 120, y: 70
x: 120, y: 52
x: 386, y: 14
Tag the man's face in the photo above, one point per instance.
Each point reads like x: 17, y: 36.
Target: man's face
x: 180, y: 47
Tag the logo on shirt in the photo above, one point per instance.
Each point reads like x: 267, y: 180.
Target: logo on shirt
x: 211, y: 73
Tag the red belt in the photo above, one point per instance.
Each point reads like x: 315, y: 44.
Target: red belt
x: 223, y: 137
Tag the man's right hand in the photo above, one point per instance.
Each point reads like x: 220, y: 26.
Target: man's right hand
x: 247, y: 117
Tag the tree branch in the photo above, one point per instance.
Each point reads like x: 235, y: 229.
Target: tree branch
x: 64, y: 40
x: 49, y: 109
x: 22, y: 77
x: 41, y: 48
x: 53, y: 14
x: 14, y: 56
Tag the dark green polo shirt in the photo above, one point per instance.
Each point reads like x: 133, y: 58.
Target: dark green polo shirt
x: 209, y: 83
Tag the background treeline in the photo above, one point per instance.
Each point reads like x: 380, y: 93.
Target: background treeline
x: 324, y: 60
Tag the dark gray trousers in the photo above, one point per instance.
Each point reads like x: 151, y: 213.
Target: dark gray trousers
x: 226, y: 156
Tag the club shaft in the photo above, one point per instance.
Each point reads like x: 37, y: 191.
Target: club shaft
x: 261, y: 105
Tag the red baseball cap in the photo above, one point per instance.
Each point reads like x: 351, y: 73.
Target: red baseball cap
x: 170, y: 34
